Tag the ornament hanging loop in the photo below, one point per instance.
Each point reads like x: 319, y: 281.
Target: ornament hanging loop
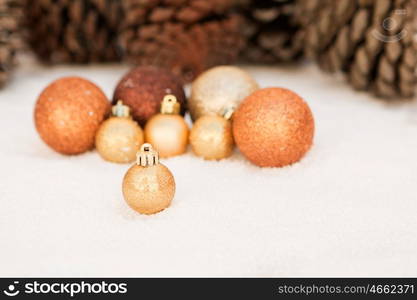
x: 121, y: 110
x: 170, y: 105
x: 147, y: 156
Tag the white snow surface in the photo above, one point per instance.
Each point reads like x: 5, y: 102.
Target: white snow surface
x: 349, y: 208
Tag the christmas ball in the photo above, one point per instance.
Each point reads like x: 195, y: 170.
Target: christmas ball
x: 168, y: 131
x: 143, y: 88
x: 211, y: 137
x: 219, y: 88
x: 119, y: 137
x: 168, y: 134
x: 148, y: 186
x: 68, y: 114
x: 273, y: 127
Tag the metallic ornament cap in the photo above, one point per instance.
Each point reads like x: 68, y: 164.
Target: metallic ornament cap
x: 120, y: 110
x: 228, y: 112
x: 147, y: 156
x: 170, y: 105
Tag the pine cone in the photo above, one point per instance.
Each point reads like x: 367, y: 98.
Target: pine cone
x: 272, y: 31
x: 185, y: 36
x: 369, y: 40
x: 10, y: 42
x: 78, y: 31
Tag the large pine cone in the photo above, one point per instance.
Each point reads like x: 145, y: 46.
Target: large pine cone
x: 272, y: 31
x: 78, y: 31
x: 10, y: 42
x: 185, y: 36
x: 370, y: 40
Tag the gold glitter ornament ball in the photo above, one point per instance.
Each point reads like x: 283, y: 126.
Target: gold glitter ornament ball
x: 211, y: 137
x: 119, y: 137
x: 217, y: 88
x: 273, y: 127
x: 68, y: 114
x: 167, y: 131
x: 148, y: 186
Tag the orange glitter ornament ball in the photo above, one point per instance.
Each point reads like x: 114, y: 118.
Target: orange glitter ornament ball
x: 273, y: 127
x: 68, y: 113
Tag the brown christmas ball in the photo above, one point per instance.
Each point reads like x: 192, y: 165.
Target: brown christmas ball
x: 273, y: 127
x: 68, y: 114
x: 143, y: 88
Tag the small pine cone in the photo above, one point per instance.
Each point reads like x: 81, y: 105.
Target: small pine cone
x: 78, y: 31
x: 372, y: 41
x: 185, y: 36
x: 272, y: 32
x: 10, y: 42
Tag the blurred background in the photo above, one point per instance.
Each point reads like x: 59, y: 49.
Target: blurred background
x: 372, y: 42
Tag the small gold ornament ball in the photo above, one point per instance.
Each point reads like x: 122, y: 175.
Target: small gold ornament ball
x: 168, y: 134
x: 148, y: 186
x: 119, y: 139
x: 211, y: 137
x: 68, y: 113
x: 167, y: 131
x: 218, y: 88
x: 273, y: 127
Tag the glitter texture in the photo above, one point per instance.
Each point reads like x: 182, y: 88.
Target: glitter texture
x: 143, y: 88
x: 119, y: 139
x: 68, y: 113
x: 273, y: 127
x: 148, y: 190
